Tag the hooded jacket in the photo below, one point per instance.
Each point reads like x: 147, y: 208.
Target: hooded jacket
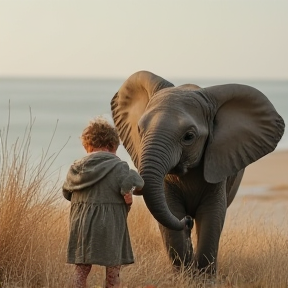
x: 94, y: 167
x: 98, y: 229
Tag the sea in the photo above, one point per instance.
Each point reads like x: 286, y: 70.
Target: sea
x: 59, y: 109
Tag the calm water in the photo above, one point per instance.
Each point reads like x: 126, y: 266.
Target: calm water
x: 73, y: 102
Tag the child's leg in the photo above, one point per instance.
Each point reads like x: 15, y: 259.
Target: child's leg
x: 80, y: 275
x: 112, y: 277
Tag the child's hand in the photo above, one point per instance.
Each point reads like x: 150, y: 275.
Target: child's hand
x: 128, y: 199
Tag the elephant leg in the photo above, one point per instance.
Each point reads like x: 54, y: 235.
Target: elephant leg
x: 209, y: 221
x: 178, y: 243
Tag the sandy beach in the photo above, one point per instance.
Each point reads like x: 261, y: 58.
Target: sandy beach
x: 270, y: 173
x: 264, y: 190
x: 271, y: 170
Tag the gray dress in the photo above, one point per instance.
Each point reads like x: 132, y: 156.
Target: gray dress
x: 98, y: 226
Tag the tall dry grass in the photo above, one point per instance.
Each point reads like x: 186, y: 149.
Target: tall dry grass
x: 30, y: 230
x: 253, y: 253
x: 34, y: 229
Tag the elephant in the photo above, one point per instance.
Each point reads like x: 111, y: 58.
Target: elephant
x: 191, y: 146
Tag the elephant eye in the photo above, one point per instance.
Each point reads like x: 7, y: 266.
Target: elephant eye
x: 189, y: 136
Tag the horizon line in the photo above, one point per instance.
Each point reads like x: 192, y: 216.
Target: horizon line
x: 33, y: 77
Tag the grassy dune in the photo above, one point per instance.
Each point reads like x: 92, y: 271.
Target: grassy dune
x: 34, y: 228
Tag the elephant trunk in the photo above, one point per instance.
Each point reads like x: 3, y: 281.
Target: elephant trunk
x: 154, y: 165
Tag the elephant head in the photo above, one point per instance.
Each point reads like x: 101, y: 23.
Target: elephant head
x: 170, y: 130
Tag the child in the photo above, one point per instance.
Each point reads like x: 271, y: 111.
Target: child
x: 95, y: 185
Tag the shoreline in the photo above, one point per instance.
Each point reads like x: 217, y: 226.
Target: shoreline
x: 267, y: 177
x: 270, y: 170
x: 263, y: 193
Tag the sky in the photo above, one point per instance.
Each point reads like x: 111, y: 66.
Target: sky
x: 245, y: 39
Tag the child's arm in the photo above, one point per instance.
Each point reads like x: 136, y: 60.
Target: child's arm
x: 132, y: 182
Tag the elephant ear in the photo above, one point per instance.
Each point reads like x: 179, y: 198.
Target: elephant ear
x: 245, y: 127
x: 129, y: 104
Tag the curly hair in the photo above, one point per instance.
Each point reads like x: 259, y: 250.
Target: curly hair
x: 100, y: 133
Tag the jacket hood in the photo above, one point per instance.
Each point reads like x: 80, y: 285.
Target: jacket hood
x: 89, y: 170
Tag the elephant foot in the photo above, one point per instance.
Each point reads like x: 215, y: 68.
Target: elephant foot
x: 202, y: 277
x: 207, y: 280
x: 185, y: 265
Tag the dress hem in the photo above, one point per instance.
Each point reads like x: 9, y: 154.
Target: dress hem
x: 100, y: 263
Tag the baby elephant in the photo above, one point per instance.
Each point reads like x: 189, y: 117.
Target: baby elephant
x: 191, y: 146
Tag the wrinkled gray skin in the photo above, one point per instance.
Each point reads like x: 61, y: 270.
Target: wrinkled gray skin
x: 191, y: 146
